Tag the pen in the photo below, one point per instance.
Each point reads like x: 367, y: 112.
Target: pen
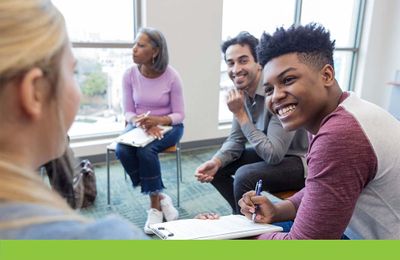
x: 140, y: 117
x: 258, y: 192
x: 147, y: 113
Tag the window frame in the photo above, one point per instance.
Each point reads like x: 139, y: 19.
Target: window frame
x: 357, y: 39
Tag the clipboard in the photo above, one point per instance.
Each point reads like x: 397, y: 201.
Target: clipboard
x: 226, y: 227
x: 138, y: 137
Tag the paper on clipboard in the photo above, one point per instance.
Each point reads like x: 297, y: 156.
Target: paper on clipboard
x: 138, y: 137
x: 226, y: 227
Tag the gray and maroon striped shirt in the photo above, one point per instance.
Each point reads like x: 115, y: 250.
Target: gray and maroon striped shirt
x: 353, y: 183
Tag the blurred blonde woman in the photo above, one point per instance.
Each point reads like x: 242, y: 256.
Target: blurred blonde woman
x: 38, y: 102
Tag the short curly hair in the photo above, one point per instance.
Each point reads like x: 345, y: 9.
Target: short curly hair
x: 243, y: 38
x: 311, y: 42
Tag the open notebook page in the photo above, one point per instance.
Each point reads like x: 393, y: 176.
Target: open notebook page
x: 138, y: 137
x: 226, y: 227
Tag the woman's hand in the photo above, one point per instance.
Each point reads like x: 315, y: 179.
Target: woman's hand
x: 155, y: 131
x: 147, y: 122
x: 207, y: 216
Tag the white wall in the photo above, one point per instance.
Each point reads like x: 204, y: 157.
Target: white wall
x: 193, y: 32
x: 380, y: 52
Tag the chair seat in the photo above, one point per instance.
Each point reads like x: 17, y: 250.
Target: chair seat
x: 171, y: 149
x: 285, y: 194
x: 112, y: 146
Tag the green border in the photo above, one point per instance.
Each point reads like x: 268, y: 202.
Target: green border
x: 205, y: 250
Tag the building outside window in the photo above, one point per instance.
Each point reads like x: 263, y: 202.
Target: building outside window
x: 102, y: 42
x: 343, y: 19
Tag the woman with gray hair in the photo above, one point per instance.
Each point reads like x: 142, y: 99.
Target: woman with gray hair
x: 152, y: 97
x: 39, y: 99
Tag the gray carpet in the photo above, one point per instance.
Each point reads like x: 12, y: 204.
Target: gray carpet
x: 131, y: 204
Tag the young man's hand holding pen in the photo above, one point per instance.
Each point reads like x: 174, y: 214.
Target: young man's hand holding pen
x: 258, y: 190
x: 262, y: 208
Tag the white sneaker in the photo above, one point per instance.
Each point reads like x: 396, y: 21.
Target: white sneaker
x: 168, y: 209
x: 154, y: 216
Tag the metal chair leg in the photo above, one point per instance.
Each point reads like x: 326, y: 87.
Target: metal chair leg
x: 178, y: 179
x: 179, y: 162
x: 108, y: 177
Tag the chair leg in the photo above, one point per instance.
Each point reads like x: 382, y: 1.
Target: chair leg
x: 178, y: 175
x: 179, y: 161
x: 108, y: 177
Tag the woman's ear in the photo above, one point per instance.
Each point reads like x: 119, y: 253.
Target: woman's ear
x: 328, y: 75
x: 32, y: 93
x: 156, y: 52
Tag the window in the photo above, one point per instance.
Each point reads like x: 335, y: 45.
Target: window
x: 102, y: 42
x: 343, y: 18
x: 344, y: 30
x: 256, y: 16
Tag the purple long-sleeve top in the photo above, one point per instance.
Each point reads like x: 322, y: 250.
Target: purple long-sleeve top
x: 353, y: 178
x: 161, y: 96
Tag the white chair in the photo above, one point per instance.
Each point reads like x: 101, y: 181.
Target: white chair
x: 173, y: 149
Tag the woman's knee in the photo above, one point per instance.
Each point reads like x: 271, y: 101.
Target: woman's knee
x: 173, y: 137
x: 146, y: 152
x: 123, y: 151
x: 178, y: 130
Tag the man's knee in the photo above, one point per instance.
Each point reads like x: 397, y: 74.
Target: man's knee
x: 222, y: 178
x: 242, y: 174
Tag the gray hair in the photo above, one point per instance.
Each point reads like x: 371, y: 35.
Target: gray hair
x: 157, y: 40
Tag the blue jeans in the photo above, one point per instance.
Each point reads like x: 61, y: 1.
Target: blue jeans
x: 142, y: 163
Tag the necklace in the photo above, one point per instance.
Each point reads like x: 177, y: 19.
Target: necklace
x: 149, y: 73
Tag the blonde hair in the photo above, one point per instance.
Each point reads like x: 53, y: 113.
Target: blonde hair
x: 13, y: 188
x: 32, y: 33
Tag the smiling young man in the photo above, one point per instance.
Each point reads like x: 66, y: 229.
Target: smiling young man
x: 274, y: 155
x: 353, y: 180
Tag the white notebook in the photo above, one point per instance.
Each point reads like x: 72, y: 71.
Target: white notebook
x: 138, y: 137
x: 226, y: 227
